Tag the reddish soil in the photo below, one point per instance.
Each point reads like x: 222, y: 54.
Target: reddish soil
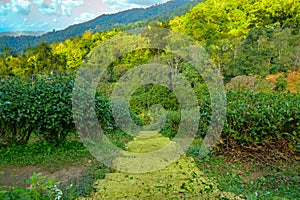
x: 293, y: 79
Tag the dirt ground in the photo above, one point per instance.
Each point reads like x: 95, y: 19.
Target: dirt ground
x: 17, y: 175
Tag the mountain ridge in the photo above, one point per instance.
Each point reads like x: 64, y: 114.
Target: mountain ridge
x: 22, y: 33
x: 105, y: 22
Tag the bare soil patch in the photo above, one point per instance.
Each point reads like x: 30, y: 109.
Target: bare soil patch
x: 16, y: 176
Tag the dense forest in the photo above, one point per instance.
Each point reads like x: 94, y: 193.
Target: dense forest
x: 246, y: 37
x: 241, y: 38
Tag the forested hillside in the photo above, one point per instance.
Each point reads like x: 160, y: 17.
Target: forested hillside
x: 243, y: 38
x: 246, y: 37
x: 130, y: 18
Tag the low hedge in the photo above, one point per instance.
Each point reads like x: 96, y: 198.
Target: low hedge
x: 43, y: 106
x: 262, y: 118
x: 259, y: 118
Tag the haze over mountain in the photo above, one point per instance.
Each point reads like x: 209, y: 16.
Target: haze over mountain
x: 22, y: 33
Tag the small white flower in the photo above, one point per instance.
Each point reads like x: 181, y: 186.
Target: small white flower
x: 58, y: 192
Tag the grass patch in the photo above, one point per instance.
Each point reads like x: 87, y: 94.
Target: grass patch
x: 43, y: 157
x: 251, y: 179
x: 254, y: 180
x: 49, y: 155
x: 43, y: 153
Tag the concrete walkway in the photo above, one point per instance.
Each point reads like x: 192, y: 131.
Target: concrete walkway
x: 179, y: 180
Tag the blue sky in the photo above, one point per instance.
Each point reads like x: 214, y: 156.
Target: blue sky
x: 46, y: 15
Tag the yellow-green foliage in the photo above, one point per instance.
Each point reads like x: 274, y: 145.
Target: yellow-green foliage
x: 76, y: 49
x: 218, y: 19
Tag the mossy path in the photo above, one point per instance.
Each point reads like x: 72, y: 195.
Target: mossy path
x: 180, y: 180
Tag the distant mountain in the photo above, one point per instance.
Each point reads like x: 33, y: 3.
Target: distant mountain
x: 22, y: 33
x: 161, y: 12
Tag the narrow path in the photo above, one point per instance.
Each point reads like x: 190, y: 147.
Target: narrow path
x: 180, y: 180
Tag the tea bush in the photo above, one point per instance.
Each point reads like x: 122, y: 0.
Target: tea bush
x: 259, y: 118
x: 52, y: 113
x: 262, y: 117
x: 16, y: 123
x: 42, y: 106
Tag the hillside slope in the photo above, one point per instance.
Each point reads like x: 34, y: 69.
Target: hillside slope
x: 162, y: 12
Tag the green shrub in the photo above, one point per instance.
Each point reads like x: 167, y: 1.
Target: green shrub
x: 36, y: 189
x: 51, y: 107
x: 42, y: 106
x: 259, y: 118
x: 172, y: 124
x: 252, y: 83
x: 262, y: 118
x: 281, y: 83
x: 14, y: 112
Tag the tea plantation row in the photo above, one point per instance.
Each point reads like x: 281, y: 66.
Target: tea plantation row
x: 43, y: 107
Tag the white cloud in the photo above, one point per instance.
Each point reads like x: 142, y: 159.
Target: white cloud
x: 127, y: 4
x: 68, y: 5
x: 54, y: 7
x: 15, y: 6
x: 46, y: 8
x: 84, y: 17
